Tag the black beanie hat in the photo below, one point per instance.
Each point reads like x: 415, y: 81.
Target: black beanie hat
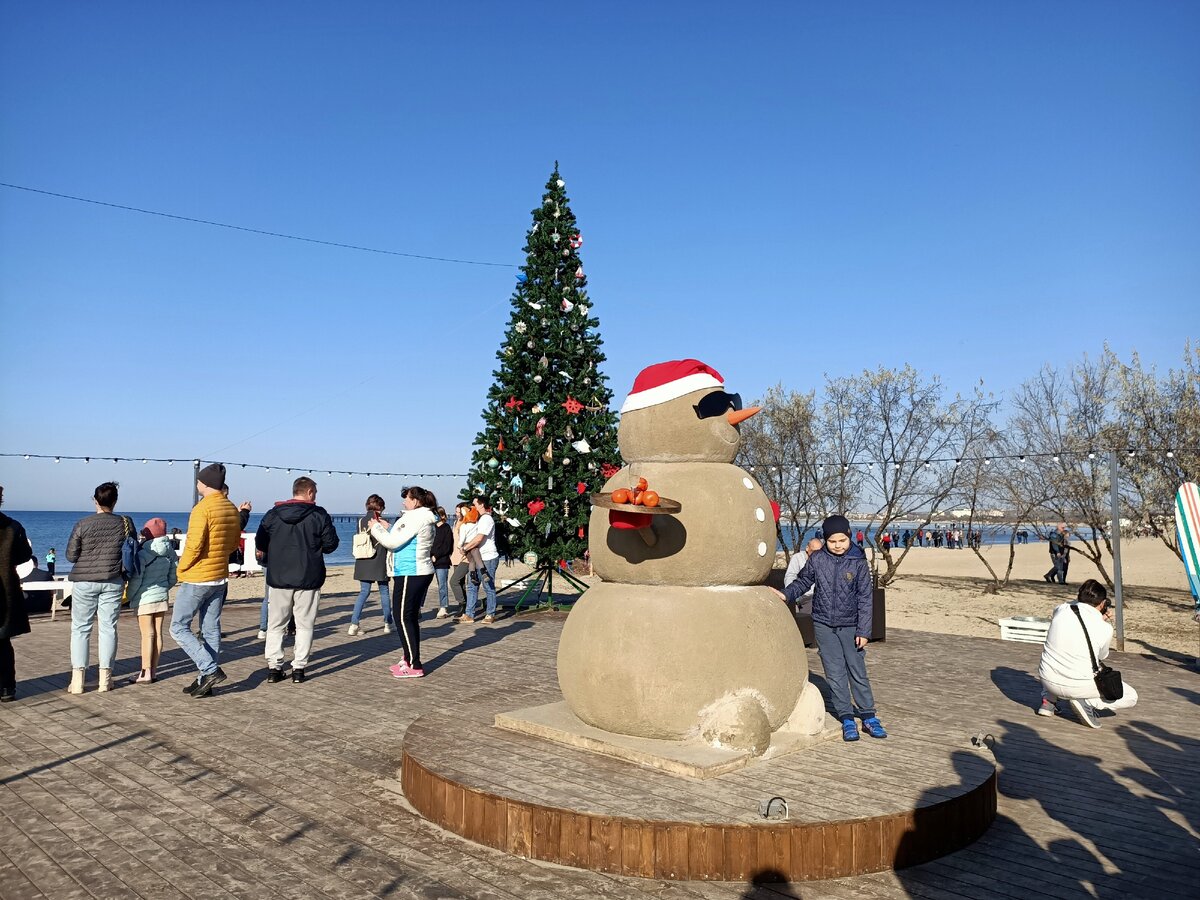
x: 213, y: 476
x: 835, y: 525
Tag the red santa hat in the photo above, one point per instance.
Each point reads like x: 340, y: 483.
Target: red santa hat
x: 668, y: 380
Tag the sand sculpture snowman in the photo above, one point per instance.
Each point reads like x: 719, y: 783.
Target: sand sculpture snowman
x: 681, y: 640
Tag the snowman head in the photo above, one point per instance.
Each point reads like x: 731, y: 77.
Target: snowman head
x: 679, y: 411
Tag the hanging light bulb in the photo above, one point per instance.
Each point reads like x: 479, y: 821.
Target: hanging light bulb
x: 27, y: 456
x: 1056, y: 457
x: 1170, y: 455
x: 56, y: 459
x: 144, y: 462
x: 87, y: 459
x: 170, y: 462
x: 114, y: 460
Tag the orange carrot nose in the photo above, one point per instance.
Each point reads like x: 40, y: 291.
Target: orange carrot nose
x: 741, y: 415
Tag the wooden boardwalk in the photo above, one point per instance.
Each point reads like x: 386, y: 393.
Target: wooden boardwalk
x: 286, y: 790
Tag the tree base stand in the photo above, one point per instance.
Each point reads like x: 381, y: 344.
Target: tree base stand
x: 539, y: 581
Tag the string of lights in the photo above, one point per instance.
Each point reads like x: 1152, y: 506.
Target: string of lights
x: 1127, y: 452
x: 277, y: 234
x: 308, y: 470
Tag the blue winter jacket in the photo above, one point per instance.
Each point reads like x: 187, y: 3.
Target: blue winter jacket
x: 843, y: 589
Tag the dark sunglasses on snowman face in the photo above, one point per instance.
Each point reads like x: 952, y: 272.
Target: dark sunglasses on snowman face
x: 717, y: 404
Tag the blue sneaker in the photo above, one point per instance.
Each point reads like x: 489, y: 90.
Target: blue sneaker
x: 849, y: 730
x: 872, y: 727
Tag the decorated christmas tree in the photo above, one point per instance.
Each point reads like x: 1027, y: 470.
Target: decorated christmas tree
x: 549, y: 437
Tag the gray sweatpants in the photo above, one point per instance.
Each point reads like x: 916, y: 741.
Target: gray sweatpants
x: 281, y: 604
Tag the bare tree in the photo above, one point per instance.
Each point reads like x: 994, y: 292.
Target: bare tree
x: 904, y: 436
x: 778, y: 446
x: 1158, y: 426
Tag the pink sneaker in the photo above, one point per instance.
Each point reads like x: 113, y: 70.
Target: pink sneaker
x: 410, y: 672
x: 398, y: 669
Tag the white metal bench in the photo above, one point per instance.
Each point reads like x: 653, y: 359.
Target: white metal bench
x: 1029, y: 629
x: 61, y: 588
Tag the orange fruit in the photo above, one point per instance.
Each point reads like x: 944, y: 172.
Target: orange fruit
x: 650, y: 498
x: 637, y: 498
x: 620, y: 495
x: 641, y: 484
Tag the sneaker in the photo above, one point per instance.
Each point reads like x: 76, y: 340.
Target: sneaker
x: 442, y: 613
x: 387, y: 627
x: 488, y: 620
x: 410, y: 672
x: 274, y: 676
x: 353, y: 629
x: 1048, y: 707
x: 465, y: 618
x: 873, y: 727
x: 262, y: 635
x: 475, y: 579
x: 398, y: 669
x: 849, y: 730
x: 1086, y: 714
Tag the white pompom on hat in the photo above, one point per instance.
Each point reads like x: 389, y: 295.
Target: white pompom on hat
x: 670, y: 380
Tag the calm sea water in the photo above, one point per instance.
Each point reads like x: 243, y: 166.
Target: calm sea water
x: 51, y: 529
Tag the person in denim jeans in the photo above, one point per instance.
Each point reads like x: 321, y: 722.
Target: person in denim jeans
x: 485, y: 542
x: 372, y: 570
x: 98, y: 582
x: 442, y: 551
x: 214, y: 529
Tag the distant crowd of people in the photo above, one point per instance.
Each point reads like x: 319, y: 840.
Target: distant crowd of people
x: 115, y: 562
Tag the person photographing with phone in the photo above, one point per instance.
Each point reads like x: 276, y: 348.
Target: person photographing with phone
x: 1079, y: 633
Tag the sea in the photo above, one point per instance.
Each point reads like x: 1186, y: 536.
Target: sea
x: 51, y: 529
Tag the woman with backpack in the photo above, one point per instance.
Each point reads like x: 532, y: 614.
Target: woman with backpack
x: 148, y: 592
x: 371, y: 569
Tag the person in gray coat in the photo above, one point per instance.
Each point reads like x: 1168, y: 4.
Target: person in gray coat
x: 95, y: 549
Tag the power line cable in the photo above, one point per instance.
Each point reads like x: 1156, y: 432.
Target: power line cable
x: 290, y: 237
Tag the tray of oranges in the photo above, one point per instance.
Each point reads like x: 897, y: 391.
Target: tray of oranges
x: 640, y: 498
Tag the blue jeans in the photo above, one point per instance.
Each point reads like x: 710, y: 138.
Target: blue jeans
x: 205, y: 600
x: 385, y: 600
x: 94, y: 600
x: 443, y: 580
x: 845, y: 668
x: 262, y: 617
x: 489, y: 586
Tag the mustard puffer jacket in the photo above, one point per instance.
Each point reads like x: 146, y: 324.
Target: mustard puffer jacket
x: 214, y: 529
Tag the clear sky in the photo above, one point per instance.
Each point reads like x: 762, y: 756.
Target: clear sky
x: 782, y: 190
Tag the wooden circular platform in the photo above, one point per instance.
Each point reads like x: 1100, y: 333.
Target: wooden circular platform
x: 853, y: 808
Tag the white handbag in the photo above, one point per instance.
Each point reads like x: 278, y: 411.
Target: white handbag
x: 362, y: 547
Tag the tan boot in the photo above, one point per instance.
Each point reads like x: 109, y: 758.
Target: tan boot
x: 76, y: 685
x: 105, y: 680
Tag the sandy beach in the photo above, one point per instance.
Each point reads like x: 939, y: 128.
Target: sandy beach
x: 945, y: 591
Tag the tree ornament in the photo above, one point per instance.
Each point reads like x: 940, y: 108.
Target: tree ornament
x: 537, y: 379
x: 522, y: 277
x: 544, y: 362
x: 577, y: 242
x: 608, y: 470
x: 581, y: 487
x: 547, y: 200
x: 572, y: 405
x: 514, y: 403
x: 541, y: 426
x: 493, y: 462
x: 579, y: 274
x: 521, y: 326
x: 582, y: 446
x: 533, y: 305
x: 570, y: 434
x: 529, y: 344
x: 537, y: 408
x: 583, y: 309
x: 550, y: 483
x: 591, y: 467
x: 566, y: 252
x: 560, y: 182
x: 547, y: 529
x: 587, y: 381
x: 548, y: 456
x: 515, y: 524
x: 581, y: 531
x: 567, y: 304
x: 500, y: 444
x: 535, y: 507
x: 555, y: 237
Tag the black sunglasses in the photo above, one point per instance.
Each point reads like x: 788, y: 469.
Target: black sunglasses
x: 717, y: 404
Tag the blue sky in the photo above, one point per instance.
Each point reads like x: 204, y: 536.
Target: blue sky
x: 785, y: 191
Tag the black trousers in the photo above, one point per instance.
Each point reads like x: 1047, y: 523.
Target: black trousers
x: 408, y: 596
x: 8, y: 664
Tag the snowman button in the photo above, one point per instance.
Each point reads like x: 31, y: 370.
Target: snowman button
x: 748, y: 483
x: 760, y: 515
x: 762, y: 548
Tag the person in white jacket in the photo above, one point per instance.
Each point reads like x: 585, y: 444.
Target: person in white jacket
x: 411, y: 561
x: 1066, y: 668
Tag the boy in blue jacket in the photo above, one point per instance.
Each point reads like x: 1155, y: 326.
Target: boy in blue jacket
x: 841, y: 613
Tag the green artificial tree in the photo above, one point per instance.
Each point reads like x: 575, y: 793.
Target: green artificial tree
x: 549, y: 438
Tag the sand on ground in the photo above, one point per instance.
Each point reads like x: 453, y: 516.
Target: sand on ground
x: 947, y: 592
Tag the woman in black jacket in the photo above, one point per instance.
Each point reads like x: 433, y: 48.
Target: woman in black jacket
x: 371, y: 570
x: 443, y: 546
x: 14, y: 550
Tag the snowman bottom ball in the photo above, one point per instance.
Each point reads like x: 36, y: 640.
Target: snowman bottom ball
x: 660, y: 661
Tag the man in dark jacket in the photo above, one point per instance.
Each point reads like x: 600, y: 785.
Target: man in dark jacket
x: 14, y: 550
x: 294, y: 536
x: 841, y: 613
